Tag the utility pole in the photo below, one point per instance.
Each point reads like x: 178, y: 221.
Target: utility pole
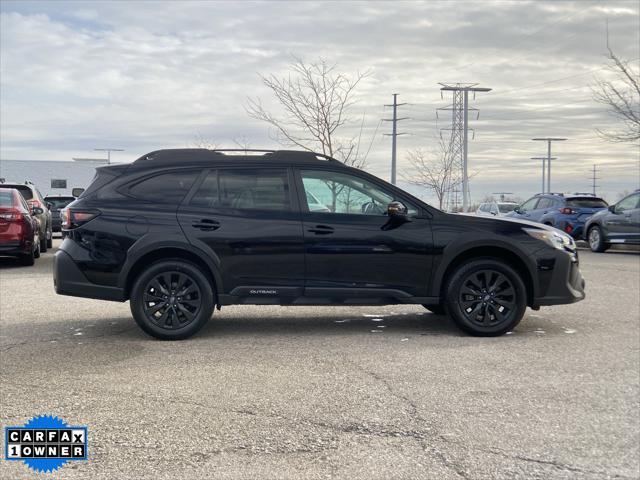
x: 594, y: 177
x: 460, y: 129
x: 549, y: 140
x: 108, y: 150
x: 544, y: 159
x: 394, y: 134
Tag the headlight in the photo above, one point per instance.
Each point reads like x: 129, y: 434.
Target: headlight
x: 554, y: 238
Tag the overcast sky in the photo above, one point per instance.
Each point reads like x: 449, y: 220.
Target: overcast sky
x: 147, y: 75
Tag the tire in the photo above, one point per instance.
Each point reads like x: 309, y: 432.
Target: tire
x: 477, y: 290
x: 43, y: 241
x: 36, y: 252
x: 595, y: 239
x: 163, y: 281
x: 437, y: 309
x: 50, y: 238
x: 28, y: 259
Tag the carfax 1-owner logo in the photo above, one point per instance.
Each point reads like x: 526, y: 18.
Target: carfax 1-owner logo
x: 45, y: 443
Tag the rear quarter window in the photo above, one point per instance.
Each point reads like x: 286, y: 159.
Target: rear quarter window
x: 170, y: 187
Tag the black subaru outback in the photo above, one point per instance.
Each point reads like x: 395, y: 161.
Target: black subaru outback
x: 179, y: 232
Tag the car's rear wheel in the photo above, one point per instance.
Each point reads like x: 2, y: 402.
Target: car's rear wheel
x: 43, y: 241
x: 172, y: 300
x: 36, y: 249
x: 486, y: 297
x: 50, y: 238
x: 28, y: 259
x: 595, y: 238
x: 437, y: 309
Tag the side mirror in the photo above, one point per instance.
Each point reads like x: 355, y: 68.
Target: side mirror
x: 612, y: 208
x: 49, y: 205
x: 37, y: 211
x: 517, y: 209
x: 397, y: 209
x: 76, y: 192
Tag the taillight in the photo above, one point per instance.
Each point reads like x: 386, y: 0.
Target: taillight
x: 567, y: 211
x: 34, y: 202
x: 568, y: 228
x: 72, y: 218
x: 11, y: 217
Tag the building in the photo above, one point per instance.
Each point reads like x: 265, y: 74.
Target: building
x: 51, y: 177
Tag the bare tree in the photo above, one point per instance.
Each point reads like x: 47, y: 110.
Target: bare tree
x: 434, y: 170
x: 202, y: 142
x: 315, y: 101
x: 622, y: 97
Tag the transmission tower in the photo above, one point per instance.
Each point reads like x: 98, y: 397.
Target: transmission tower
x: 394, y: 134
x: 549, y: 140
x: 459, y: 133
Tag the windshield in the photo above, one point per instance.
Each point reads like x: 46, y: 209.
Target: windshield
x: 59, y: 202
x: 506, y: 207
x: 587, y: 202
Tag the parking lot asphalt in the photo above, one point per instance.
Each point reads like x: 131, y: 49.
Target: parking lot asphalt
x: 331, y: 392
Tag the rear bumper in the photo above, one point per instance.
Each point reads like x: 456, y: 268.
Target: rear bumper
x: 564, y: 282
x: 16, y: 248
x: 69, y: 280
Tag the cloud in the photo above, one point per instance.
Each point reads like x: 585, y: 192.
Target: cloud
x: 146, y: 75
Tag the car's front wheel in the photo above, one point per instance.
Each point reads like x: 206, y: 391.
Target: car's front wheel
x: 486, y: 297
x: 596, y: 240
x: 50, y: 237
x: 172, y: 300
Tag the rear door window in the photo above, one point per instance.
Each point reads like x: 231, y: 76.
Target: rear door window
x: 545, y: 203
x: 244, y: 189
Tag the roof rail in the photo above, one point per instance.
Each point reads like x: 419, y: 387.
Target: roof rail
x: 586, y: 194
x: 252, y: 150
x: 206, y: 153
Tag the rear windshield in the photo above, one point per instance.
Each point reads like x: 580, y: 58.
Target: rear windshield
x: 506, y: 207
x: 23, y: 189
x: 587, y: 202
x: 6, y: 198
x: 59, y: 202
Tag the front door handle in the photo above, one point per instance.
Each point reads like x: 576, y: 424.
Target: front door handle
x: 206, y: 225
x: 321, y: 230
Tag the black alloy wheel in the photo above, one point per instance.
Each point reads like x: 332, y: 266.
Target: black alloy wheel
x: 486, y: 297
x: 172, y: 299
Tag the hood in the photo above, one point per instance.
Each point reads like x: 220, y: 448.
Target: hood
x: 493, y: 222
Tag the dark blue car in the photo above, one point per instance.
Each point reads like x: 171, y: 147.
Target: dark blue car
x: 566, y: 212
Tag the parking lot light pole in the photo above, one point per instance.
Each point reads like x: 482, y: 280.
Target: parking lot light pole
x: 108, y: 150
x: 549, y: 140
x: 544, y: 159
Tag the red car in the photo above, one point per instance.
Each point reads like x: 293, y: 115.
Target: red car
x: 19, y: 227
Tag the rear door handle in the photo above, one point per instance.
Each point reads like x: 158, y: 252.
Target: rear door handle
x: 206, y: 225
x: 321, y: 230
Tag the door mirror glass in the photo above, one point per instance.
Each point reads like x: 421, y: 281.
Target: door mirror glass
x: 396, y: 208
x: 37, y: 211
x: 517, y: 209
x: 612, y: 208
x: 76, y: 192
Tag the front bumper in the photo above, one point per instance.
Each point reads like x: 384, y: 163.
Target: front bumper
x: 68, y: 279
x: 560, y: 280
